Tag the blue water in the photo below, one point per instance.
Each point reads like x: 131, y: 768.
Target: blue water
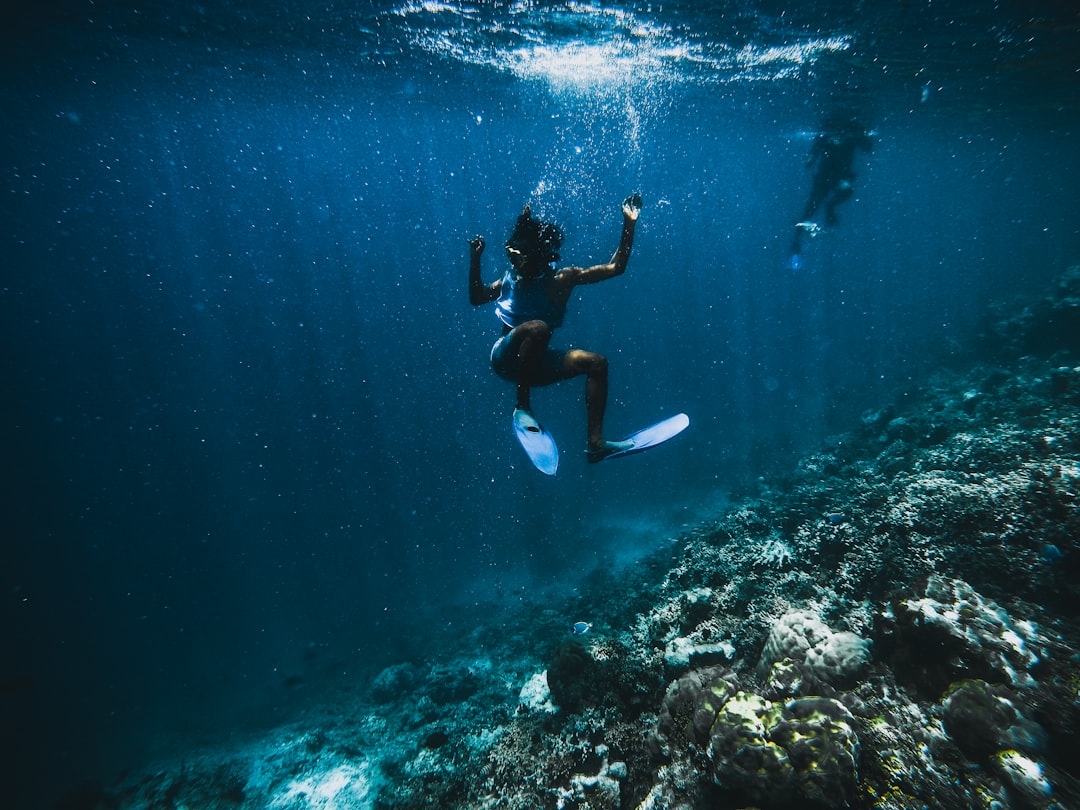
x: 248, y: 421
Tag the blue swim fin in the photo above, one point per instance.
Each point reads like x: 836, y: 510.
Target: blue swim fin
x: 537, y: 442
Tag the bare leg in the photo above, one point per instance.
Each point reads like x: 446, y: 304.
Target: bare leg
x: 530, y: 342
x: 843, y: 191
x: 595, y: 368
x: 820, y: 187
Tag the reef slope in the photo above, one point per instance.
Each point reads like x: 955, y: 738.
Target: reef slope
x: 894, y: 625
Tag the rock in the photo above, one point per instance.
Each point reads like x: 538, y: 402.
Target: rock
x: 535, y: 696
x: 570, y: 675
x: 393, y: 682
x: 1027, y: 779
x: 595, y: 792
x: 984, y: 718
x: 945, y: 631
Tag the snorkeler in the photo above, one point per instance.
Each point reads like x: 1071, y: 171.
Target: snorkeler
x: 530, y: 300
x: 832, y: 157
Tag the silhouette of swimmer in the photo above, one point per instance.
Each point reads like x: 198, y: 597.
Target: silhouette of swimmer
x: 832, y: 157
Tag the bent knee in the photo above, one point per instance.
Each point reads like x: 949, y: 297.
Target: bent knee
x: 583, y: 362
x: 533, y: 329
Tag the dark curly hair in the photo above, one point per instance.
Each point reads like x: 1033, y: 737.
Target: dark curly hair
x: 535, y: 238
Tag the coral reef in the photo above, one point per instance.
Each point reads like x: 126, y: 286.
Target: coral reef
x: 984, y: 719
x: 945, y: 630
x: 894, y: 625
x: 801, y: 641
x: 805, y: 750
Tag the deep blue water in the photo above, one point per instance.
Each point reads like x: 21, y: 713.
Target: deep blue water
x: 248, y: 421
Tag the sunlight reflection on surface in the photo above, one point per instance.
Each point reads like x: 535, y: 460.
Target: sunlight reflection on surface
x: 583, y: 46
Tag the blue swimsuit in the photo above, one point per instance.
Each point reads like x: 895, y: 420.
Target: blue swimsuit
x: 528, y: 299
x: 522, y: 300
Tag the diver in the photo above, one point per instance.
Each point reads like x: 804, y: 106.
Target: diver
x: 832, y: 157
x: 530, y: 301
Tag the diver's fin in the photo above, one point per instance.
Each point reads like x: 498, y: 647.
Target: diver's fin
x: 537, y: 442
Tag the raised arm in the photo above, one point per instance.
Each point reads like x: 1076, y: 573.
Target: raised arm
x: 631, y: 208
x: 479, y: 293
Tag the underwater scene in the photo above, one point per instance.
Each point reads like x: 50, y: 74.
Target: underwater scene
x: 325, y: 487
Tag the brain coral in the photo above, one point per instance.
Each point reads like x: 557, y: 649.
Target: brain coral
x: 826, y: 656
x: 690, y: 707
x: 805, y: 750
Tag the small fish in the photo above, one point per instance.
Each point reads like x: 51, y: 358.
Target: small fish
x: 581, y: 628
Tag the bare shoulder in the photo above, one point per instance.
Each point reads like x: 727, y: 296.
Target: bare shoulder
x: 485, y: 293
x: 494, y: 290
x: 569, y: 276
x: 575, y: 276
